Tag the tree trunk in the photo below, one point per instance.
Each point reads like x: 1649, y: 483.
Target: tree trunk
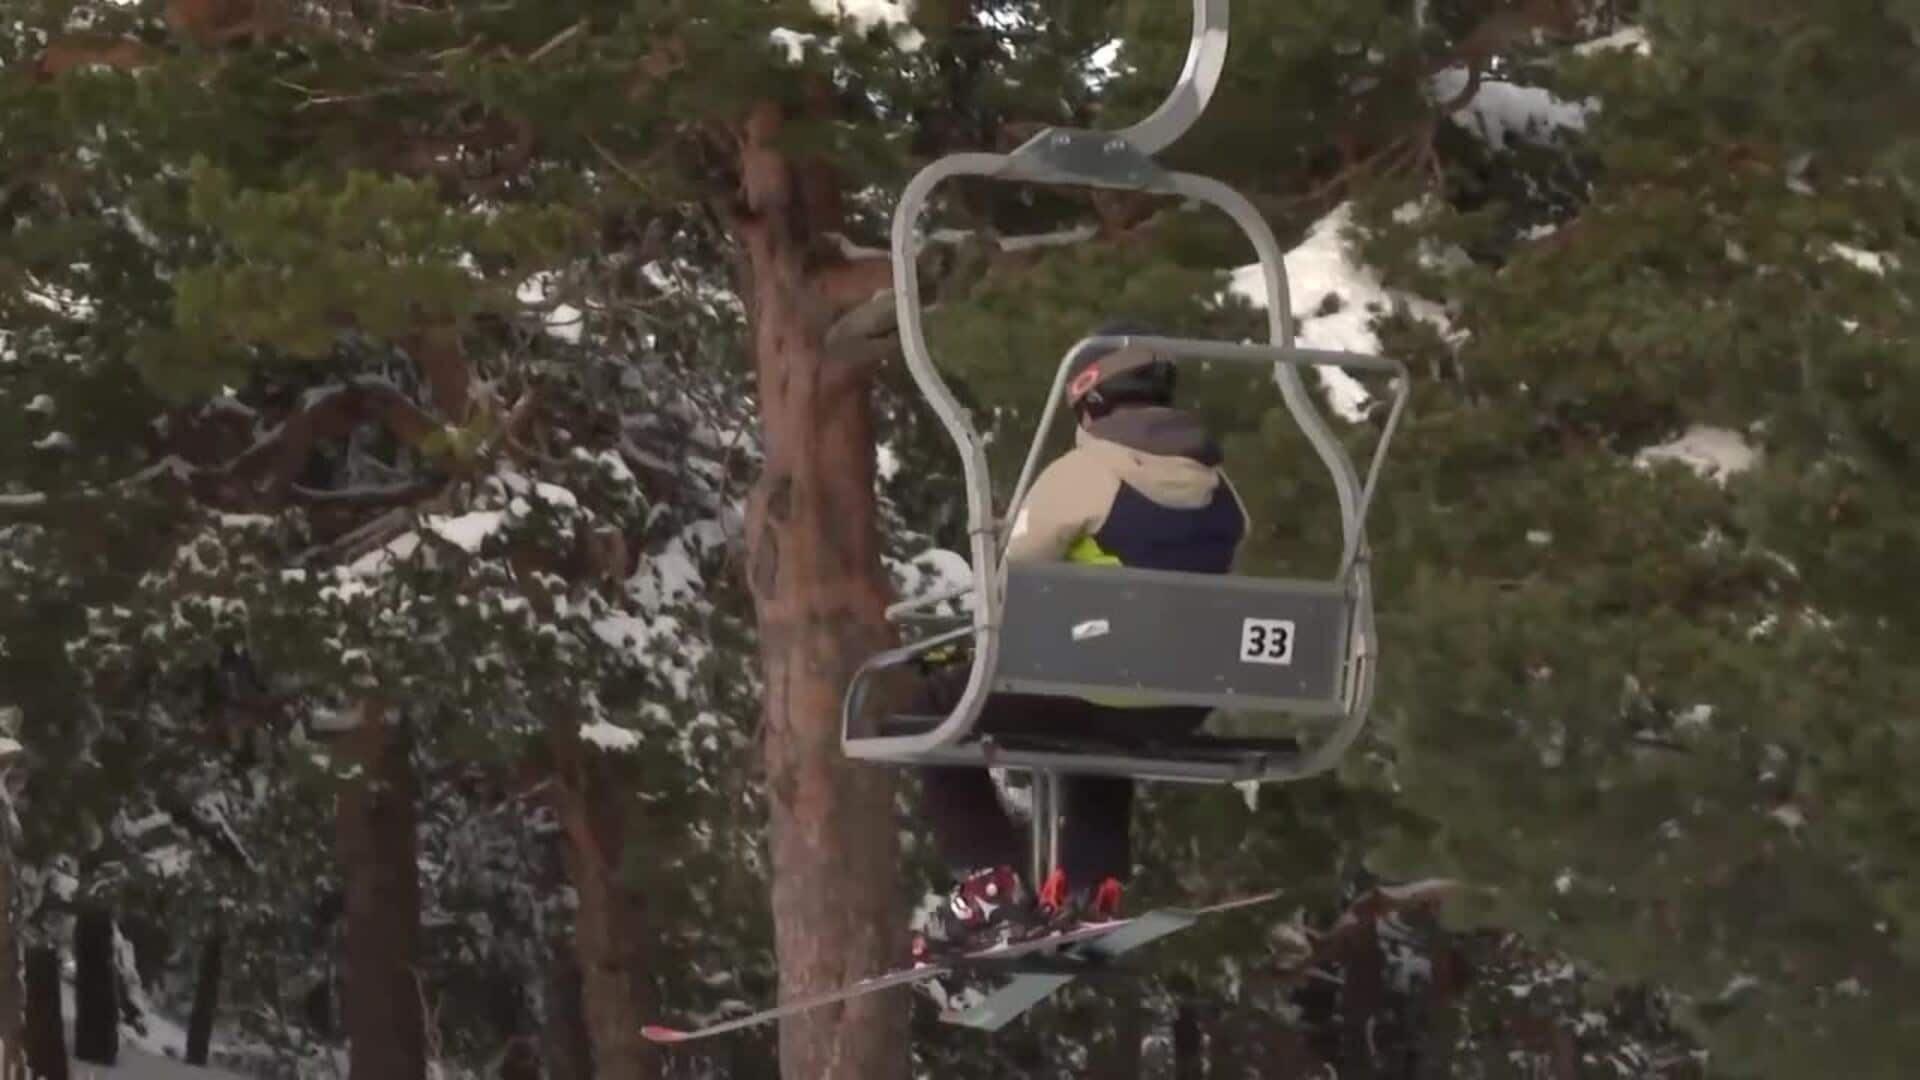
x: 1226, y: 1038
x: 1116, y: 1051
x: 1189, y: 1043
x: 820, y: 596
x: 507, y: 1004
x: 382, y: 1007
x: 1441, y: 1008
x: 96, y: 1005
x: 206, y: 998
x: 46, y: 1028
x: 568, y: 1048
x: 609, y: 928
x: 12, y: 993
x: 1362, y: 1001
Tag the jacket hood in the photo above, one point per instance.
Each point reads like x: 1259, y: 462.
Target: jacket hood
x: 1165, y: 454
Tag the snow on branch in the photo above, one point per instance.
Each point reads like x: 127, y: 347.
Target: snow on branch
x: 1630, y: 39
x: 1370, y: 908
x: 1503, y: 113
x: 268, y: 467
x: 1714, y: 453
x: 1336, y: 299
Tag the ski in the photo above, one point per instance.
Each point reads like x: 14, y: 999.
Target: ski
x: 1027, y: 990
x: 1087, y: 948
x: 995, y: 956
x: 661, y: 1033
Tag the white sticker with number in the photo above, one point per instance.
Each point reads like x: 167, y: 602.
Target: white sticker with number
x: 1266, y: 641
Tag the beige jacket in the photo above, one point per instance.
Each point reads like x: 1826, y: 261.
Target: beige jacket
x: 1163, y: 454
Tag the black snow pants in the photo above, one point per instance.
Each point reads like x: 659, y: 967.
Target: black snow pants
x: 963, y: 809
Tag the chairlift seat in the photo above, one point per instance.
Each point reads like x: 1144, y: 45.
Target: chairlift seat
x: 1124, y: 636
x: 1160, y: 637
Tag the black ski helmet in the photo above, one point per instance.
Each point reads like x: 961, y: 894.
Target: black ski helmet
x: 1105, y: 379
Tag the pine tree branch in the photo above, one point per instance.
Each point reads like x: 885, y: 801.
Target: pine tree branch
x: 556, y: 41
x: 366, y: 497
x: 1370, y: 908
x: 438, y: 352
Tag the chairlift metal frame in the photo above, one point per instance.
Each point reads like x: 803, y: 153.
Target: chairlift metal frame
x: 1125, y: 160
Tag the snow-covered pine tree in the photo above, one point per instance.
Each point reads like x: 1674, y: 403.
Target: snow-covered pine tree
x: 1650, y: 524
x: 378, y: 472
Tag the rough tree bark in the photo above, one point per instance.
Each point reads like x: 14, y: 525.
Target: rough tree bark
x: 375, y: 822
x: 567, y: 1047
x: 46, y: 1028
x: 1189, y: 1043
x: 609, y: 929
x: 1116, y: 1050
x: 506, y: 1002
x: 820, y: 595
x: 1362, y: 997
x: 12, y: 993
x: 96, y: 1005
x: 206, y: 998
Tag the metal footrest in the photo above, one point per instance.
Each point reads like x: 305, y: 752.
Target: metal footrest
x: 1196, y: 757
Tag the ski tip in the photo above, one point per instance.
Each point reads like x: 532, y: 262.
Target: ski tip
x: 662, y: 1034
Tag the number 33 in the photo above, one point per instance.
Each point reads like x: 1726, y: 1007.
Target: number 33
x: 1266, y: 641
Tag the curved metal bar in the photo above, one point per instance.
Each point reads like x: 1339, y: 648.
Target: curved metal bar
x: 855, y: 699
x: 1361, y: 669
x: 1206, y: 59
x: 1403, y: 388
x: 981, y: 527
x: 1300, y: 402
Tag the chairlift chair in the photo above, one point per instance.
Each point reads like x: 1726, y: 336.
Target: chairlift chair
x: 1296, y: 647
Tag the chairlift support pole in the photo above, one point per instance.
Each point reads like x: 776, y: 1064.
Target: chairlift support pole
x: 1044, y: 830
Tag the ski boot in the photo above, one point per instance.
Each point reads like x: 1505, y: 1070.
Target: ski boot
x: 1068, y: 908
x: 986, y: 908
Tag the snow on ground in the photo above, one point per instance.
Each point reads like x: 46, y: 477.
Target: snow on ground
x: 1322, y: 268
x: 141, y: 1065
x: 1715, y: 453
x: 153, y: 1055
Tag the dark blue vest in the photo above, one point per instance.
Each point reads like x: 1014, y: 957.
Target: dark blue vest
x: 1142, y: 533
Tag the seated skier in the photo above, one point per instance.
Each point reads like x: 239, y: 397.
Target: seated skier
x: 1142, y: 487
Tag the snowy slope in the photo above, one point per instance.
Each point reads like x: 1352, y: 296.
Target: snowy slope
x: 141, y: 1065
x: 150, y: 1055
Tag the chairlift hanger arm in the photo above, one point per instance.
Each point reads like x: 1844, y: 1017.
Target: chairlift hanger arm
x: 1032, y: 166
x: 1206, y: 60
x: 1122, y: 160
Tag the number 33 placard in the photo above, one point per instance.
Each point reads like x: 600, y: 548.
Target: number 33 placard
x: 1266, y: 641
